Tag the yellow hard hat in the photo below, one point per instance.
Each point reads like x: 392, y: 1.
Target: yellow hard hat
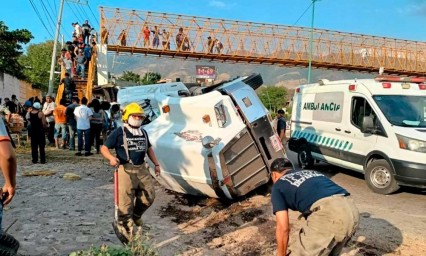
x: 132, y: 109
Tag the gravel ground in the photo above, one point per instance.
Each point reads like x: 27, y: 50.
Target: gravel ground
x: 55, y: 216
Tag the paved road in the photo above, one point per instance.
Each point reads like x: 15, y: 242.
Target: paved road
x: 394, y: 224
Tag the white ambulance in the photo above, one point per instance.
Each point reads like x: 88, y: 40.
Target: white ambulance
x: 373, y: 126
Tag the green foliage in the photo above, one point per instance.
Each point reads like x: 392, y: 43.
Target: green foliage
x: 151, y: 78
x: 273, y: 98
x: 37, y: 61
x: 139, y: 245
x: 131, y: 77
x: 11, y: 48
x: 148, y: 78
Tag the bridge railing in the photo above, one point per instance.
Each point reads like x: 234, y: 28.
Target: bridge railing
x: 262, y: 43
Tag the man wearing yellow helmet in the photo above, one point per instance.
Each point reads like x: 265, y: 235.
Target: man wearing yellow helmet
x: 135, y: 186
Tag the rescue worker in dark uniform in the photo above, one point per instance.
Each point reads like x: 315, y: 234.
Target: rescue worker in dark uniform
x: 330, y: 214
x: 135, y: 184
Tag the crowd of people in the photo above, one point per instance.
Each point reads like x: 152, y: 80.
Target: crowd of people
x: 154, y: 37
x: 77, y: 53
x: 60, y: 125
x: 90, y: 122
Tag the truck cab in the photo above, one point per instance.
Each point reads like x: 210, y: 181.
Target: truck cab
x: 216, y: 141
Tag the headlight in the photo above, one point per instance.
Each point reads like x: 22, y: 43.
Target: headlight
x: 411, y: 144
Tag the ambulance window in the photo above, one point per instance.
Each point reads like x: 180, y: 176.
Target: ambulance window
x: 361, y: 108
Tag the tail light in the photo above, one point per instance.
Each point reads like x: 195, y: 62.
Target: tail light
x: 422, y: 86
x: 386, y: 85
x: 297, y: 89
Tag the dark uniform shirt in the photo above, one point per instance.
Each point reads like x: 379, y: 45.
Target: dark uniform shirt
x: 281, y: 125
x: 69, y: 113
x: 137, y: 145
x: 299, y: 190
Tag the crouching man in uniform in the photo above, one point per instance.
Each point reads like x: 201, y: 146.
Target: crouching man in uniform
x: 331, y: 216
x: 135, y: 184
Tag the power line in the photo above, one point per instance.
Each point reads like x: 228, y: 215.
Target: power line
x: 303, y: 14
x: 51, y: 8
x: 55, y: 12
x: 94, y: 16
x: 47, y: 13
x: 74, y: 12
x: 83, y: 11
x: 39, y: 17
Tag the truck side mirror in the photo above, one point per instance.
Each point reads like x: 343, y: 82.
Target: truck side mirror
x: 208, y: 142
x: 367, y: 124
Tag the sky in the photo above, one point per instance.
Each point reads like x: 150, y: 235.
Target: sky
x: 402, y: 19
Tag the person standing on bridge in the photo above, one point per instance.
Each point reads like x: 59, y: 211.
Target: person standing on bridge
x: 104, y: 35
x: 331, y: 216
x: 122, y: 38
x: 135, y: 185
x: 165, y: 36
x: 156, y: 39
x: 210, y: 44
x: 146, y: 34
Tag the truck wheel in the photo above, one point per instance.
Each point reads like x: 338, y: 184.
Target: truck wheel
x: 304, y: 157
x: 379, y: 177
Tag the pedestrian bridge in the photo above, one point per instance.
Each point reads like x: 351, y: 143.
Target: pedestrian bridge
x: 250, y: 42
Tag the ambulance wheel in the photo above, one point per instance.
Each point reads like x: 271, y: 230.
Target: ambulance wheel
x: 304, y: 157
x: 379, y: 177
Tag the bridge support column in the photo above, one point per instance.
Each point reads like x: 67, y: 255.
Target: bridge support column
x: 102, y: 64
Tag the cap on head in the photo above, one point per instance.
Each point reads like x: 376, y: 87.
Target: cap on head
x: 37, y: 105
x: 132, y: 109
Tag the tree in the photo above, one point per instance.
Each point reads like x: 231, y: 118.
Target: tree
x: 151, y: 78
x: 37, y: 61
x: 11, y: 48
x: 273, y: 97
x: 131, y: 77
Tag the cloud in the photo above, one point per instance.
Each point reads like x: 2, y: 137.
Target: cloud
x: 220, y: 4
x: 416, y: 7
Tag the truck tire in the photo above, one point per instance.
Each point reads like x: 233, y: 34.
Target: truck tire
x: 304, y: 157
x: 380, y: 178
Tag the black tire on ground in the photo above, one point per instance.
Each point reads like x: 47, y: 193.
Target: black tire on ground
x: 4, y: 251
x: 380, y: 178
x: 9, y: 241
x: 304, y: 157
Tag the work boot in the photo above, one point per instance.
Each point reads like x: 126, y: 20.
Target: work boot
x: 138, y: 222
x: 123, y: 231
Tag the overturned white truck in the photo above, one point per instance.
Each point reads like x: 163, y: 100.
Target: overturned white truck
x: 215, y: 141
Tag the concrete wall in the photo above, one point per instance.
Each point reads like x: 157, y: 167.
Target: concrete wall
x: 11, y: 85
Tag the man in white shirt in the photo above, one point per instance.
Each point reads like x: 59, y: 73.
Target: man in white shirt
x: 48, y: 108
x: 77, y: 30
x: 83, y: 114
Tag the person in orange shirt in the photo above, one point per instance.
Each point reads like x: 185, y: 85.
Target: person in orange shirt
x: 146, y: 34
x: 60, y: 123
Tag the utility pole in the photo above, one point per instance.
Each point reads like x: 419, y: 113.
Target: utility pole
x: 55, y: 45
x: 311, y: 41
